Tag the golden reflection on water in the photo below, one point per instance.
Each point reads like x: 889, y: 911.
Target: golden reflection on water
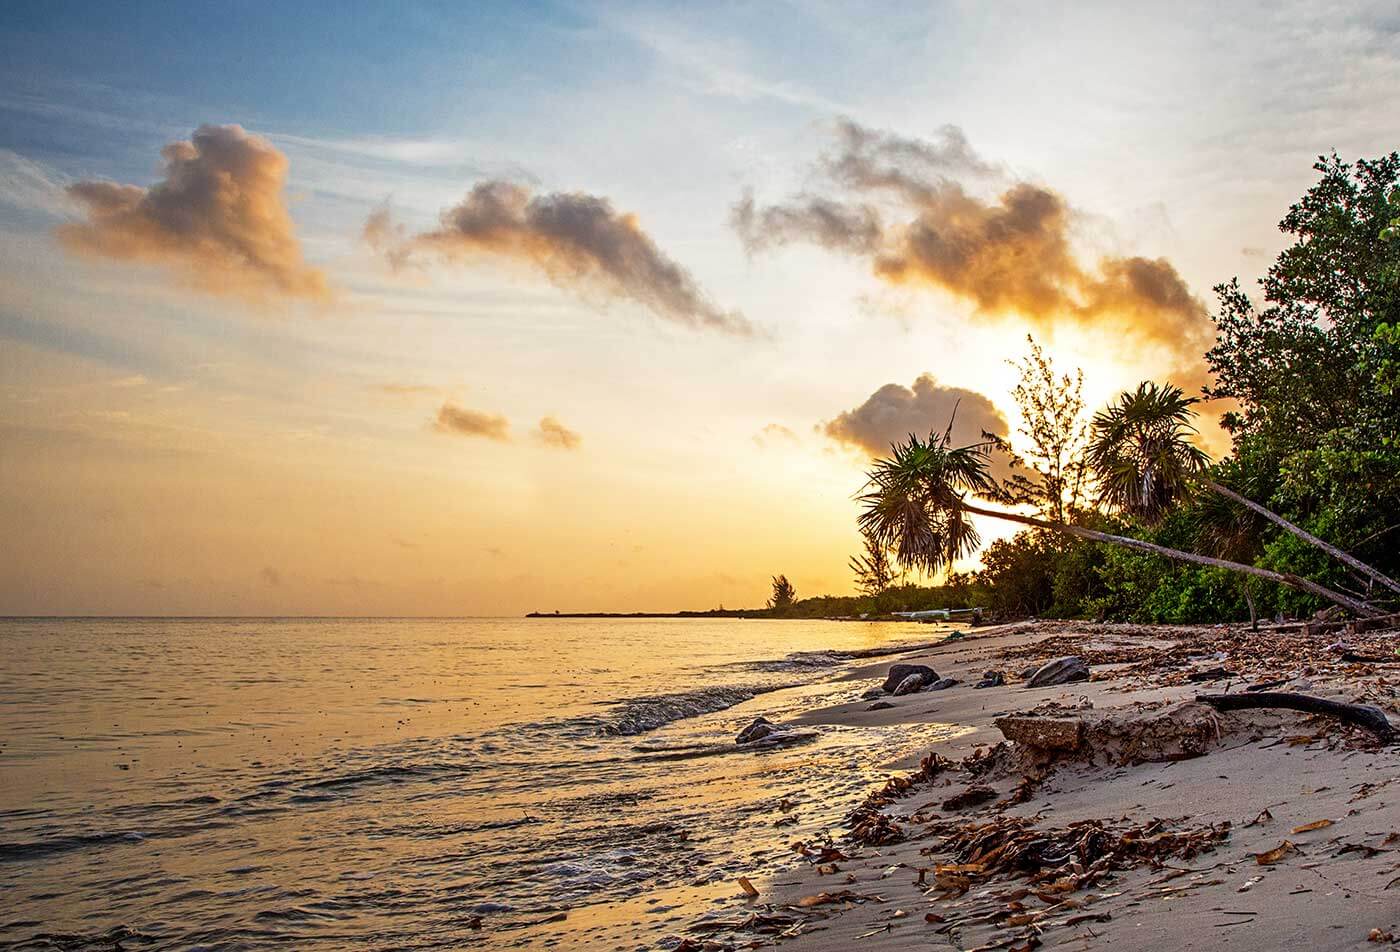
x: 332, y: 779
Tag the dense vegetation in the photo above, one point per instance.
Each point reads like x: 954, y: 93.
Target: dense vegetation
x: 1303, y: 514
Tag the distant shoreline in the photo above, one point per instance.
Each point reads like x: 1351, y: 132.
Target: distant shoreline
x: 712, y: 613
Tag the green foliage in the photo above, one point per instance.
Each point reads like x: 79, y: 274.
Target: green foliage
x: 1052, y: 414
x: 1141, y: 450
x: 1019, y: 573
x: 1312, y: 371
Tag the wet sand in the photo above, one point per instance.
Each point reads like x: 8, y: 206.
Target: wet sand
x: 1199, y: 794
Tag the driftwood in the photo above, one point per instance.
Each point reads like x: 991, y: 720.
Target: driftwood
x: 1362, y: 715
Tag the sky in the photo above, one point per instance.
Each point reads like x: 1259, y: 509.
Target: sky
x: 440, y: 309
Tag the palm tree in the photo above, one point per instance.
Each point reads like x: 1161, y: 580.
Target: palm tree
x: 1142, y: 454
x: 916, y: 506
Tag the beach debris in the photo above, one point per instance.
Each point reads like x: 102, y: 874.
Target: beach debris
x: 873, y: 828
x: 873, y: 693
x: 897, y: 787
x: 1212, y: 674
x: 880, y: 706
x: 910, y: 685
x: 1264, y: 817
x: 899, y: 672
x: 991, y: 679
x: 943, y: 684
x: 831, y: 898
x: 1368, y: 716
x: 1058, y: 860
x: 1043, y: 733
x: 1064, y: 670
x: 1250, y: 883
x: 748, y: 887
x: 970, y: 797
x: 1269, y: 857
x: 1314, y: 825
x: 760, y: 728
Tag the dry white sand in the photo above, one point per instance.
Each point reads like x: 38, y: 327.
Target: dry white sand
x: 1319, y: 896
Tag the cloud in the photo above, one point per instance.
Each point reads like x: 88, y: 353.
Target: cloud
x: 404, y: 389
x: 903, y: 205
x: 894, y: 411
x: 463, y: 422
x: 30, y: 185
x: 217, y: 218
x: 553, y: 433
x: 869, y: 159
x: 774, y: 434
x: 578, y: 241
x: 833, y: 225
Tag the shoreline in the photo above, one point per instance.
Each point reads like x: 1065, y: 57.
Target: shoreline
x: 1265, y: 825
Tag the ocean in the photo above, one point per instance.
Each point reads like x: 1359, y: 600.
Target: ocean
x: 413, y: 783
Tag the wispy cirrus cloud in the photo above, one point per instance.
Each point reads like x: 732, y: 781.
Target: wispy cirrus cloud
x: 217, y: 219
x: 33, y: 186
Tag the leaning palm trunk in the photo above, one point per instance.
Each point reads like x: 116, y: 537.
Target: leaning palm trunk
x: 1336, y: 553
x: 1282, y: 578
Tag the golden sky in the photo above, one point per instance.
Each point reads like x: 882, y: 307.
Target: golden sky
x: 602, y: 307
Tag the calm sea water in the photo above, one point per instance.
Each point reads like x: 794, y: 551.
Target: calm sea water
x: 409, y: 783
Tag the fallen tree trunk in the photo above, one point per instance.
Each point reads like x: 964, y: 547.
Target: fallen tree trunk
x: 1362, y: 715
x: 1336, y: 553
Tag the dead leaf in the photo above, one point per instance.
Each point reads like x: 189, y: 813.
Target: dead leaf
x: 1314, y: 825
x: 827, y: 898
x: 1275, y: 854
x: 1264, y: 817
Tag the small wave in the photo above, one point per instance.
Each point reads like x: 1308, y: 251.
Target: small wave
x: 641, y: 714
x: 797, y: 661
x: 11, y: 852
x: 385, y: 773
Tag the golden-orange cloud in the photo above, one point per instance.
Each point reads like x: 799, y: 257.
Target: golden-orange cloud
x: 553, y: 433
x: 902, y: 204
x: 460, y: 421
x: 893, y: 412
x: 576, y: 240
x: 217, y: 218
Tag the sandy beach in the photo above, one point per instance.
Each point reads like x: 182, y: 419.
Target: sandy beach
x: 1159, y: 822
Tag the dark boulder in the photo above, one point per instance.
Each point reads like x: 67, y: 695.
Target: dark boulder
x: 759, y: 729
x: 898, y: 672
x: 912, y: 684
x: 992, y: 679
x: 943, y: 684
x: 1060, y: 671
